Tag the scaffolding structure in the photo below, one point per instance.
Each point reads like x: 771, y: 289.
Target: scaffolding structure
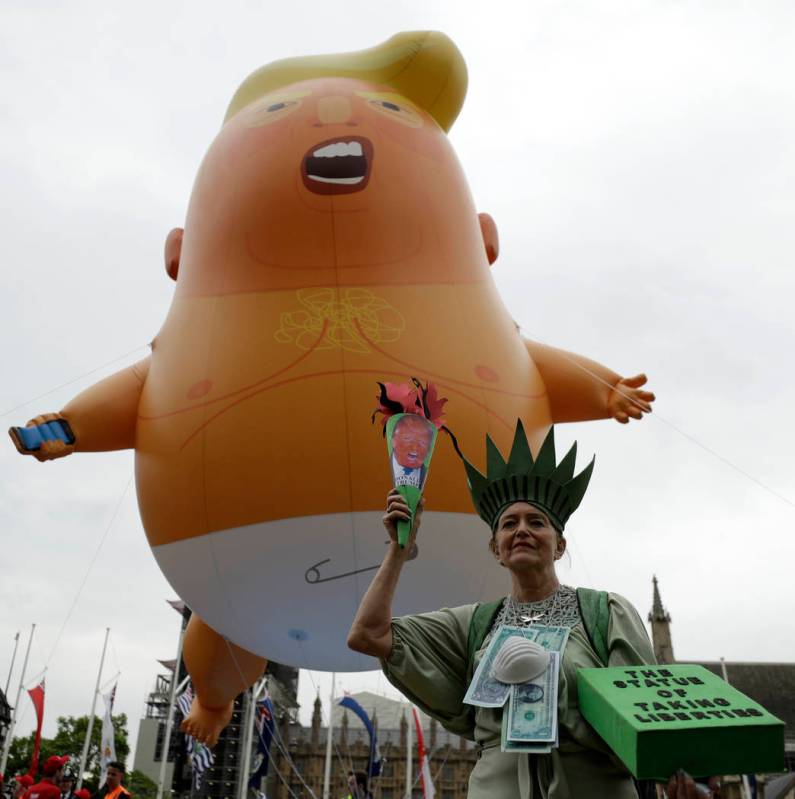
x: 222, y: 779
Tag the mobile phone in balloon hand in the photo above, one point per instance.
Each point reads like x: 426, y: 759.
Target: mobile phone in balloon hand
x: 30, y: 439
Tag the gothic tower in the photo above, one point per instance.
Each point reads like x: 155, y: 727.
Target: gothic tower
x: 344, y: 728
x: 661, y: 629
x: 316, y: 721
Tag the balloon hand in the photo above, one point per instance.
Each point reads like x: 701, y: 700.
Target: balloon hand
x: 45, y: 437
x: 627, y: 399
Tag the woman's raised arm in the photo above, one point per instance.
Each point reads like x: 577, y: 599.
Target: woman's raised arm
x: 371, y: 631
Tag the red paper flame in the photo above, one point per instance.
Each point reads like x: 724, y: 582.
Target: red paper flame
x: 411, y: 397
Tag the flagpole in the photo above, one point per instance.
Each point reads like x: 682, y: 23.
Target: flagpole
x: 170, y: 717
x: 10, y: 734
x: 248, y: 738
x: 13, y: 660
x: 248, y: 723
x: 409, y: 747
x: 329, y: 738
x: 90, y: 728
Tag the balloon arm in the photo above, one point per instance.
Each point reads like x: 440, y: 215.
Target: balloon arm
x: 103, y: 417
x: 578, y: 388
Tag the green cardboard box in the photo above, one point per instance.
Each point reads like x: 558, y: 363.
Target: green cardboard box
x: 661, y: 718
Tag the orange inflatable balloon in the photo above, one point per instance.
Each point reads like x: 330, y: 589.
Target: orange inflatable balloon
x: 331, y: 242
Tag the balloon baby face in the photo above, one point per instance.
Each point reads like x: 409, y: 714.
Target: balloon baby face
x: 324, y: 179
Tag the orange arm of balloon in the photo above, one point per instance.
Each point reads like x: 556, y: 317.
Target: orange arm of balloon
x: 103, y: 417
x: 578, y: 388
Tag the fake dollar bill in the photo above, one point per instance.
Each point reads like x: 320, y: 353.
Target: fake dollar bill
x: 485, y: 690
x: 529, y: 748
x: 533, y: 707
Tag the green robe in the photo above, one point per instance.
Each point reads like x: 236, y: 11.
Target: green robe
x: 428, y: 664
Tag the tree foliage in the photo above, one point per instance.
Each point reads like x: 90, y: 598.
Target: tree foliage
x: 140, y: 786
x: 69, y: 737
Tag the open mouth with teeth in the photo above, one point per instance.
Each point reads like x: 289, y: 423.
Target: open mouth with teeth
x: 338, y: 166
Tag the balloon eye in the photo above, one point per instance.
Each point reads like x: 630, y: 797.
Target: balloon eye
x: 403, y: 114
x: 273, y: 112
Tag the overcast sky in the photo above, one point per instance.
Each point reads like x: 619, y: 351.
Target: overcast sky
x: 638, y: 159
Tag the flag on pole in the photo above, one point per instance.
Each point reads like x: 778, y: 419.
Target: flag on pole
x: 107, y: 749
x: 37, y: 697
x: 201, y: 758
x: 428, y: 791
x: 375, y: 760
x: 263, y: 722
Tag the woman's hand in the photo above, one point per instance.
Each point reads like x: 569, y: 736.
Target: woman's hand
x: 682, y: 786
x: 397, y: 509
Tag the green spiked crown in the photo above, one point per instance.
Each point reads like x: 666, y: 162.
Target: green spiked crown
x: 549, y: 486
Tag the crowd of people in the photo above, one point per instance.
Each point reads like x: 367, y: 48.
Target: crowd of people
x: 58, y: 782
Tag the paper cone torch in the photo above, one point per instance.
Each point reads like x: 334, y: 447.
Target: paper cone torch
x: 412, y: 418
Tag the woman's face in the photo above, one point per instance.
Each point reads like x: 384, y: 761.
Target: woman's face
x: 525, y: 538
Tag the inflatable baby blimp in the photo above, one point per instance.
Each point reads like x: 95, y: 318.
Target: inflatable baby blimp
x: 331, y: 242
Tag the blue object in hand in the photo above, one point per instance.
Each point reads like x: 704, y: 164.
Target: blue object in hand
x: 29, y: 439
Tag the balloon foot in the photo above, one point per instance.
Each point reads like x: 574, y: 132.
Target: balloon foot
x: 206, y: 724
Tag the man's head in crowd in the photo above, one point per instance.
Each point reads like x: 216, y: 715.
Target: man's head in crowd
x: 67, y: 782
x: 115, y: 774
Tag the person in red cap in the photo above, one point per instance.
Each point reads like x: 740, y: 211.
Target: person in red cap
x: 48, y: 787
x: 113, y: 789
x: 83, y: 793
x: 23, y: 782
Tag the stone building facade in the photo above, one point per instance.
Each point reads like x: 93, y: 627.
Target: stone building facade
x: 451, y: 757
